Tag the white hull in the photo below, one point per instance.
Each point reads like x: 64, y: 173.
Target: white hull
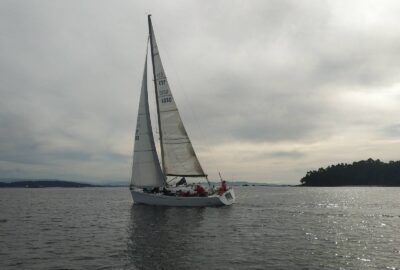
x: 140, y: 197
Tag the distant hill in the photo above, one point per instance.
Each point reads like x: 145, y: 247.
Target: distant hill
x: 361, y: 173
x: 42, y: 184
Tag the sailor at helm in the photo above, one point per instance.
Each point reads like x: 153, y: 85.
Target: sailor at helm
x: 182, y: 182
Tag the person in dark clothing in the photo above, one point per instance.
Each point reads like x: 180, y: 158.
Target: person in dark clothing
x: 166, y: 192
x: 181, y: 182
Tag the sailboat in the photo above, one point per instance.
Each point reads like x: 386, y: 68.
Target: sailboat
x: 149, y: 183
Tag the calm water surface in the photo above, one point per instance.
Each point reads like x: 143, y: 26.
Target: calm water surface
x: 268, y: 228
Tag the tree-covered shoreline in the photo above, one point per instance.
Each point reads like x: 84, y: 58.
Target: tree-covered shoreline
x: 360, y: 173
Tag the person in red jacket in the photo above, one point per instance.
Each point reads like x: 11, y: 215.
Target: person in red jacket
x: 200, y: 191
x: 223, y: 188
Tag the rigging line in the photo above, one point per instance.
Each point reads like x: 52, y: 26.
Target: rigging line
x: 169, y: 181
x: 181, y: 89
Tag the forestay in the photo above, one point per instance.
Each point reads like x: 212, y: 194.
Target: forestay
x: 177, y: 151
x: 146, y: 170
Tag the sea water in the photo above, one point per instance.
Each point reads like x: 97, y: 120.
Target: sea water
x: 268, y: 228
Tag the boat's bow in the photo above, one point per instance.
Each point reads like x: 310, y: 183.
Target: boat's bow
x: 228, y: 197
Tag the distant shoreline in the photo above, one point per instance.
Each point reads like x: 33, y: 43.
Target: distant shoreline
x: 69, y: 184
x: 50, y: 184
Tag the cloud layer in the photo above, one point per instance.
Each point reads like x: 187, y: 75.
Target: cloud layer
x: 267, y: 89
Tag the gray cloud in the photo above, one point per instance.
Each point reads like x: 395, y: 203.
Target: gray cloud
x: 277, y: 156
x: 391, y: 131
x: 274, y: 73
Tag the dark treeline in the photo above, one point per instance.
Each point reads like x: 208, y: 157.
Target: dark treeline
x: 365, y: 172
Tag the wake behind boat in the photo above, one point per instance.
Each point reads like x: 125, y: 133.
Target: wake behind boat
x: 149, y: 182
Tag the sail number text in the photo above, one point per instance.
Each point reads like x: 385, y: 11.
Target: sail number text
x: 166, y: 100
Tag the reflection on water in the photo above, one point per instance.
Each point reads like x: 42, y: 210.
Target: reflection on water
x: 159, y: 236
x: 268, y: 228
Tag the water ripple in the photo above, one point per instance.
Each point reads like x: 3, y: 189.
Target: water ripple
x: 268, y: 228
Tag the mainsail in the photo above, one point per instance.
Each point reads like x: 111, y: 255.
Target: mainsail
x: 146, y: 170
x: 177, y: 153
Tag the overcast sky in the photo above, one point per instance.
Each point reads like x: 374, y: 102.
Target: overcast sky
x: 267, y: 89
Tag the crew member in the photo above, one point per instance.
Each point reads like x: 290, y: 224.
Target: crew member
x: 223, y: 188
x: 201, y: 192
x: 181, y: 182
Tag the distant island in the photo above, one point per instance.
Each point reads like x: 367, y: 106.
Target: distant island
x: 361, y: 173
x: 43, y: 184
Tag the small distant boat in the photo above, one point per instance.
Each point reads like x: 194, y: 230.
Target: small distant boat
x: 149, y: 182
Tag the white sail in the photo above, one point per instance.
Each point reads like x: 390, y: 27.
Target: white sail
x: 177, y: 151
x: 146, y: 170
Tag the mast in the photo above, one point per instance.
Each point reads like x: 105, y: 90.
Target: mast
x: 151, y: 33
